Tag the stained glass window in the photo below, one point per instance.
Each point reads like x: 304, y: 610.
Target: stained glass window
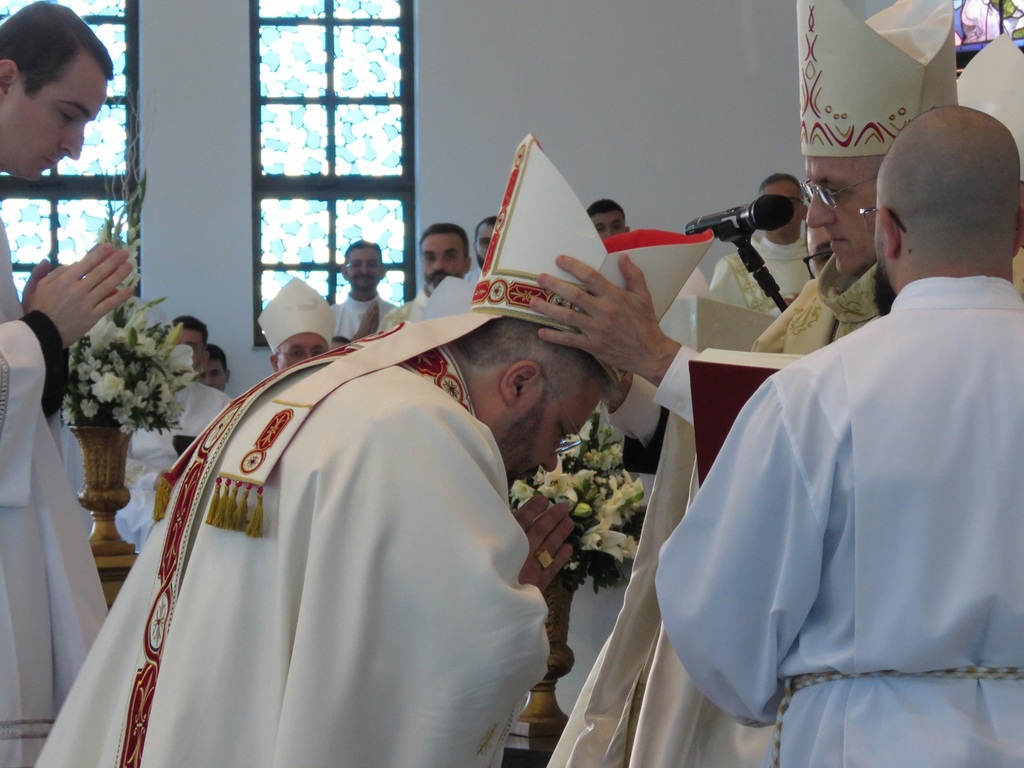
x: 59, y: 216
x: 332, y: 109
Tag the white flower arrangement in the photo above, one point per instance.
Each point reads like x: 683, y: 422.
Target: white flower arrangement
x: 127, y: 372
x: 605, y: 501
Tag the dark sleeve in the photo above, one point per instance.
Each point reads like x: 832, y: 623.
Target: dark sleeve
x: 637, y: 457
x: 55, y: 357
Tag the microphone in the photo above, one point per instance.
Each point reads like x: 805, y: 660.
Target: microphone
x: 768, y: 212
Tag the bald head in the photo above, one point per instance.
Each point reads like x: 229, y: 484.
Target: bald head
x: 951, y: 181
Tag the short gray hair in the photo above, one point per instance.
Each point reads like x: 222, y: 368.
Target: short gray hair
x: 509, y: 339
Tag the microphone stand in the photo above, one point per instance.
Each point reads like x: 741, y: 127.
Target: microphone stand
x: 755, y: 266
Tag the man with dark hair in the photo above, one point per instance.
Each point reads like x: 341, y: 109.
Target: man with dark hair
x: 444, y: 252
x: 53, y: 81
x: 481, y: 242
x: 194, y: 334
x: 216, y: 374
x: 782, y: 249
x: 608, y: 217
x: 151, y: 453
x: 360, y: 314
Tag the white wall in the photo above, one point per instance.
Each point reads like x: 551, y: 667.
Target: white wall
x: 672, y: 108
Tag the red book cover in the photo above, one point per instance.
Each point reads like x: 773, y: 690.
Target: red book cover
x: 721, y: 382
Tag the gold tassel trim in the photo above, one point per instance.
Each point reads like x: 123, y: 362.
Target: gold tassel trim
x: 163, y: 498
x: 212, y: 516
x: 255, y: 529
x: 229, y: 508
x: 241, y: 515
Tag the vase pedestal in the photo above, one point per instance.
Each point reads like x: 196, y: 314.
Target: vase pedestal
x: 104, y: 452
x: 542, y: 717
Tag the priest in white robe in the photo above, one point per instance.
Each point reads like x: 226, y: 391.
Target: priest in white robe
x: 51, y: 604
x: 857, y: 541
x: 382, y: 610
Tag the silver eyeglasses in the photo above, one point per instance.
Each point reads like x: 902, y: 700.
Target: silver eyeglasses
x: 567, y: 442
x: 899, y: 222
x: 827, y: 195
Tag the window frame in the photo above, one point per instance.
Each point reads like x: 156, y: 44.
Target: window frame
x: 332, y: 187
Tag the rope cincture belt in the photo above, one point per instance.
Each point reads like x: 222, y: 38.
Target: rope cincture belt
x: 799, y: 682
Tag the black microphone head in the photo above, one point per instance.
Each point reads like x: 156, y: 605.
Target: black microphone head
x: 770, y: 212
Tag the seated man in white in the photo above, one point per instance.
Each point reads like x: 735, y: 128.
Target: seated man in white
x: 361, y: 313
x: 150, y: 454
x: 298, y: 324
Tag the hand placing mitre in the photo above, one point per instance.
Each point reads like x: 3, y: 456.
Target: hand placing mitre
x: 76, y: 296
x: 617, y: 326
x: 547, y: 527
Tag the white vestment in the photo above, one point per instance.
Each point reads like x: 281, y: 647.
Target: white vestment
x: 349, y: 315
x: 864, y: 515
x: 733, y: 284
x: 51, y: 603
x: 411, y: 312
x: 150, y: 454
x: 378, y: 622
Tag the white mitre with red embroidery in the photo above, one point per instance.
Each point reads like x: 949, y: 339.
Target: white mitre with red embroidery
x: 993, y: 83
x: 541, y: 217
x: 861, y: 82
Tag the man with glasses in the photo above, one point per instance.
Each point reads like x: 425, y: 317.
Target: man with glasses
x: 857, y: 78
x: 361, y: 313
x: 819, y: 251
x: 862, y: 522
x: 782, y: 249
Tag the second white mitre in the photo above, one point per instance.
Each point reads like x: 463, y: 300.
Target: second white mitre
x: 909, y: 47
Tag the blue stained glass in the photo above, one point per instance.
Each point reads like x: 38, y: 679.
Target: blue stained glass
x: 28, y: 229
x: 369, y: 140
x: 293, y: 61
x: 369, y: 62
x: 293, y: 140
x: 81, y: 7
x: 105, y: 141
x: 113, y: 37
x: 367, y: 9
x: 294, y: 231
x: 392, y: 287
x: 291, y: 9
x: 96, y: 7
x: 272, y: 282
x: 78, y: 227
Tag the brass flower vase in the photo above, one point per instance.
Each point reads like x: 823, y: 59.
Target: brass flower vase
x: 104, y: 452
x: 542, y: 715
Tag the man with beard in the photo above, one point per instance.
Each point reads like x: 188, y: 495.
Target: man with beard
x: 827, y: 522
x: 339, y: 579
x: 360, y: 314
x: 444, y: 251
x: 855, y: 74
